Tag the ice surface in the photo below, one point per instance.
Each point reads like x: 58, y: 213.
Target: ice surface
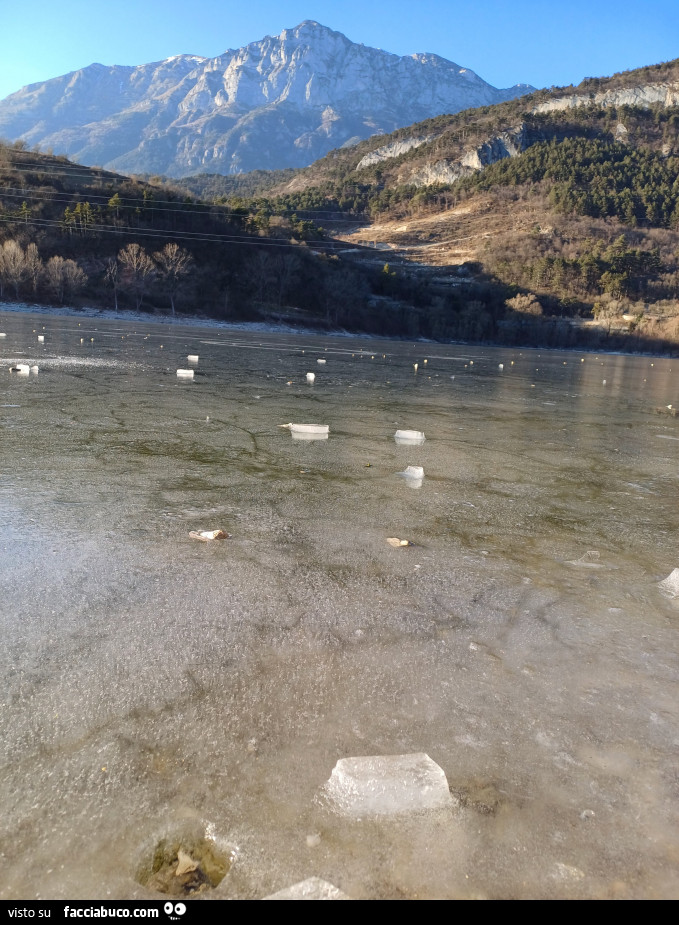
x: 313, y: 888
x: 591, y: 559
x: 148, y: 679
x: 386, y: 785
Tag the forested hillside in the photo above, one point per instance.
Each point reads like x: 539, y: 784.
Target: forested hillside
x: 87, y: 236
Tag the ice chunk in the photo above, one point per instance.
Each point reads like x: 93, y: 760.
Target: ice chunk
x: 206, y: 535
x: 670, y: 585
x: 192, y: 358
x: 385, y: 785
x: 185, y: 373
x: 313, y: 888
x: 413, y: 476
x: 318, y: 429
x: 22, y: 368
x: 310, y: 377
x: 413, y: 472
x: 3, y: 335
x: 41, y: 338
x: 410, y: 437
x: 320, y: 361
x: 309, y: 436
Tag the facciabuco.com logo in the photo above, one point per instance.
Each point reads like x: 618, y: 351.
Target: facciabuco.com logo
x: 111, y: 912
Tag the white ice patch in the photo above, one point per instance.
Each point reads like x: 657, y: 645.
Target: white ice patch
x: 410, y: 437
x: 413, y: 472
x: 386, y: 785
x: 670, y: 585
x: 313, y: 888
x: 81, y: 362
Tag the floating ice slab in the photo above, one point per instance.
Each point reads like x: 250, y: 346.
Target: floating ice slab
x: 386, y: 785
x: 320, y: 361
x: 670, y: 585
x: 313, y: 888
x: 303, y: 436
x: 318, y: 429
x: 310, y: 377
x: 413, y: 472
x: 192, y: 358
x: 22, y: 369
x: 409, y: 436
x: 185, y: 373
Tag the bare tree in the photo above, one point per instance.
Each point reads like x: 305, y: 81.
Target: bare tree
x: 174, y: 264
x: 12, y: 265
x: 525, y: 304
x: 74, y: 277
x: 263, y: 273
x: 137, y: 271
x: 288, y: 271
x: 112, y: 277
x: 64, y: 277
x: 54, y: 277
x: 34, y: 267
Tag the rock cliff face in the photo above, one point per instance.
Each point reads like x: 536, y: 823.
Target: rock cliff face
x: 281, y: 102
x: 514, y: 140
x: 646, y: 96
x: 386, y: 152
x: 506, y: 144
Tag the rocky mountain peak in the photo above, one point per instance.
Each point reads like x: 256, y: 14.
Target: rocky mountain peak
x: 281, y: 102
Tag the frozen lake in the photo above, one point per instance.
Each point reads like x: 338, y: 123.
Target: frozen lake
x: 153, y: 684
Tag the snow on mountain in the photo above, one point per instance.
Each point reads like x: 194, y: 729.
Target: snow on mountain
x: 282, y: 102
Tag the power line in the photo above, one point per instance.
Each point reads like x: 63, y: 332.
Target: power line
x: 197, y: 237
x: 121, y: 179
x: 153, y: 205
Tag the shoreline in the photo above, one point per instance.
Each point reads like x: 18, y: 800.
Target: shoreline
x: 261, y: 327
x: 109, y: 314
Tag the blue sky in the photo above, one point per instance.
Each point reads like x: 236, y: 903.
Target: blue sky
x: 504, y: 41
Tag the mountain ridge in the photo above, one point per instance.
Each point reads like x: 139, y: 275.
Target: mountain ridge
x: 281, y: 102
